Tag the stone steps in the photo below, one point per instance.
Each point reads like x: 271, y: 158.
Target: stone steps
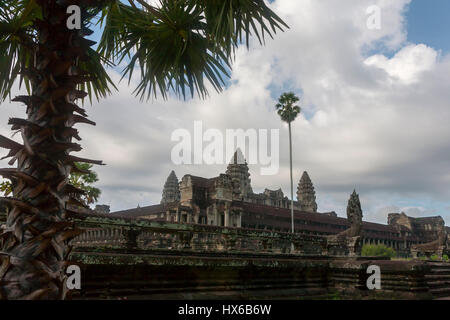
x: 439, y: 283
x: 431, y: 277
x: 438, y: 279
x: 441, y: 292
x: 441, y: 271
x: 228, y: 291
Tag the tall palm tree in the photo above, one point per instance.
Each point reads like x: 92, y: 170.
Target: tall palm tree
x: 288, y: 112
x: 175, y: 45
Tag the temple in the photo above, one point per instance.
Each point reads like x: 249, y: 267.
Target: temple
x: 228, y: 200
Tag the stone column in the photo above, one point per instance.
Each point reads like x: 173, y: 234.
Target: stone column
x: 216, y: 215
x: 227, y: 217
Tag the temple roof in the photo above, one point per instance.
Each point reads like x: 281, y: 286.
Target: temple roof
x: 147, y: 210
x: 322, y: 222
x: 326, y: 222
x: 202, y: 182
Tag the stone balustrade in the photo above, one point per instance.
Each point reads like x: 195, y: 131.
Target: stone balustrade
x: 107, y: 232
x: 112, y: 237
x: 160, y: 260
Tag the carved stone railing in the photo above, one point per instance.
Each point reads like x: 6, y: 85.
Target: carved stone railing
x: 102, y: 231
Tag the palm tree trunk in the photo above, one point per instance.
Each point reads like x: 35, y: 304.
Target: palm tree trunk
x: 292, y: 184
x: 35, y: 242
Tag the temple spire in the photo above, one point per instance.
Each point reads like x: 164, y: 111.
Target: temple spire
x: 354, y: 206
x: 238, y: 171
x: 171, y: 191
x: 306, y: 195
x: 354, y: 214
x: 238, y: 157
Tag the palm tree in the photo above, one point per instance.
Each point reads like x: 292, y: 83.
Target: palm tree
x: 288, y: 111
x: 175, y: 45
x: 84, y: 182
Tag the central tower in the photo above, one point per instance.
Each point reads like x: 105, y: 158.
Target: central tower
x: 306, y: 195
x: 238, y: 171
x: 171, y: 191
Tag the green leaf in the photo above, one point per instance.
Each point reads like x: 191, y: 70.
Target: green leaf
x: 181, y: 42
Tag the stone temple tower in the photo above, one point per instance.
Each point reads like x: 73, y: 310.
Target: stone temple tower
x: 238, y: 171
x: 171, y: 191
x: 306, y: 194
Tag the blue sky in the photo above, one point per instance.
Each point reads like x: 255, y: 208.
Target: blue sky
x: 429, y: 23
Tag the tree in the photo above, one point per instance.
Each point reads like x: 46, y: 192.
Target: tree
x: 377, y: 250
x: 83, y: 181
x: 174, y: 46
x: 288, y: 112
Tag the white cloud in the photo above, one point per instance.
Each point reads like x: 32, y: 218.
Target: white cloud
x: 408, y: 64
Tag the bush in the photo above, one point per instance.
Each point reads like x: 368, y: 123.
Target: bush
x: 434, y: 257
x: 377, y: 250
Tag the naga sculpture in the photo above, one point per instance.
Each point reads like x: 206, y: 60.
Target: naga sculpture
x: 438, y: 247
x: 349, y: 240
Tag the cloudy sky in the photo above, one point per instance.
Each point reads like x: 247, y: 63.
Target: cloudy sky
x: 375, y: 111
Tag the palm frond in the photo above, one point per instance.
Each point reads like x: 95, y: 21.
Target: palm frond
x: 233, y: 21
x: 171, y: 54
x: 16, y: 42
x: 181, y: 42
x: 94, y: 68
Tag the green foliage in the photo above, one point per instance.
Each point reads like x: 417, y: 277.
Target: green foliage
x: 174, y: 45
x: 287, y: 110
x: 445, y: 257
x: 83, y: 180
x: 179, y: 43
x: 18, y: 40
x: 377, y: 250
x: 15, y: 35
x: 6, y: 187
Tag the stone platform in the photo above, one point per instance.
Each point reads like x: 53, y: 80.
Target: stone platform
x: 169, y: 274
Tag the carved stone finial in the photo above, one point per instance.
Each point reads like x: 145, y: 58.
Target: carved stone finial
x: 349, y: 240
x: 354, y: 214
x: 171, y: 191
x: 306, y: 195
